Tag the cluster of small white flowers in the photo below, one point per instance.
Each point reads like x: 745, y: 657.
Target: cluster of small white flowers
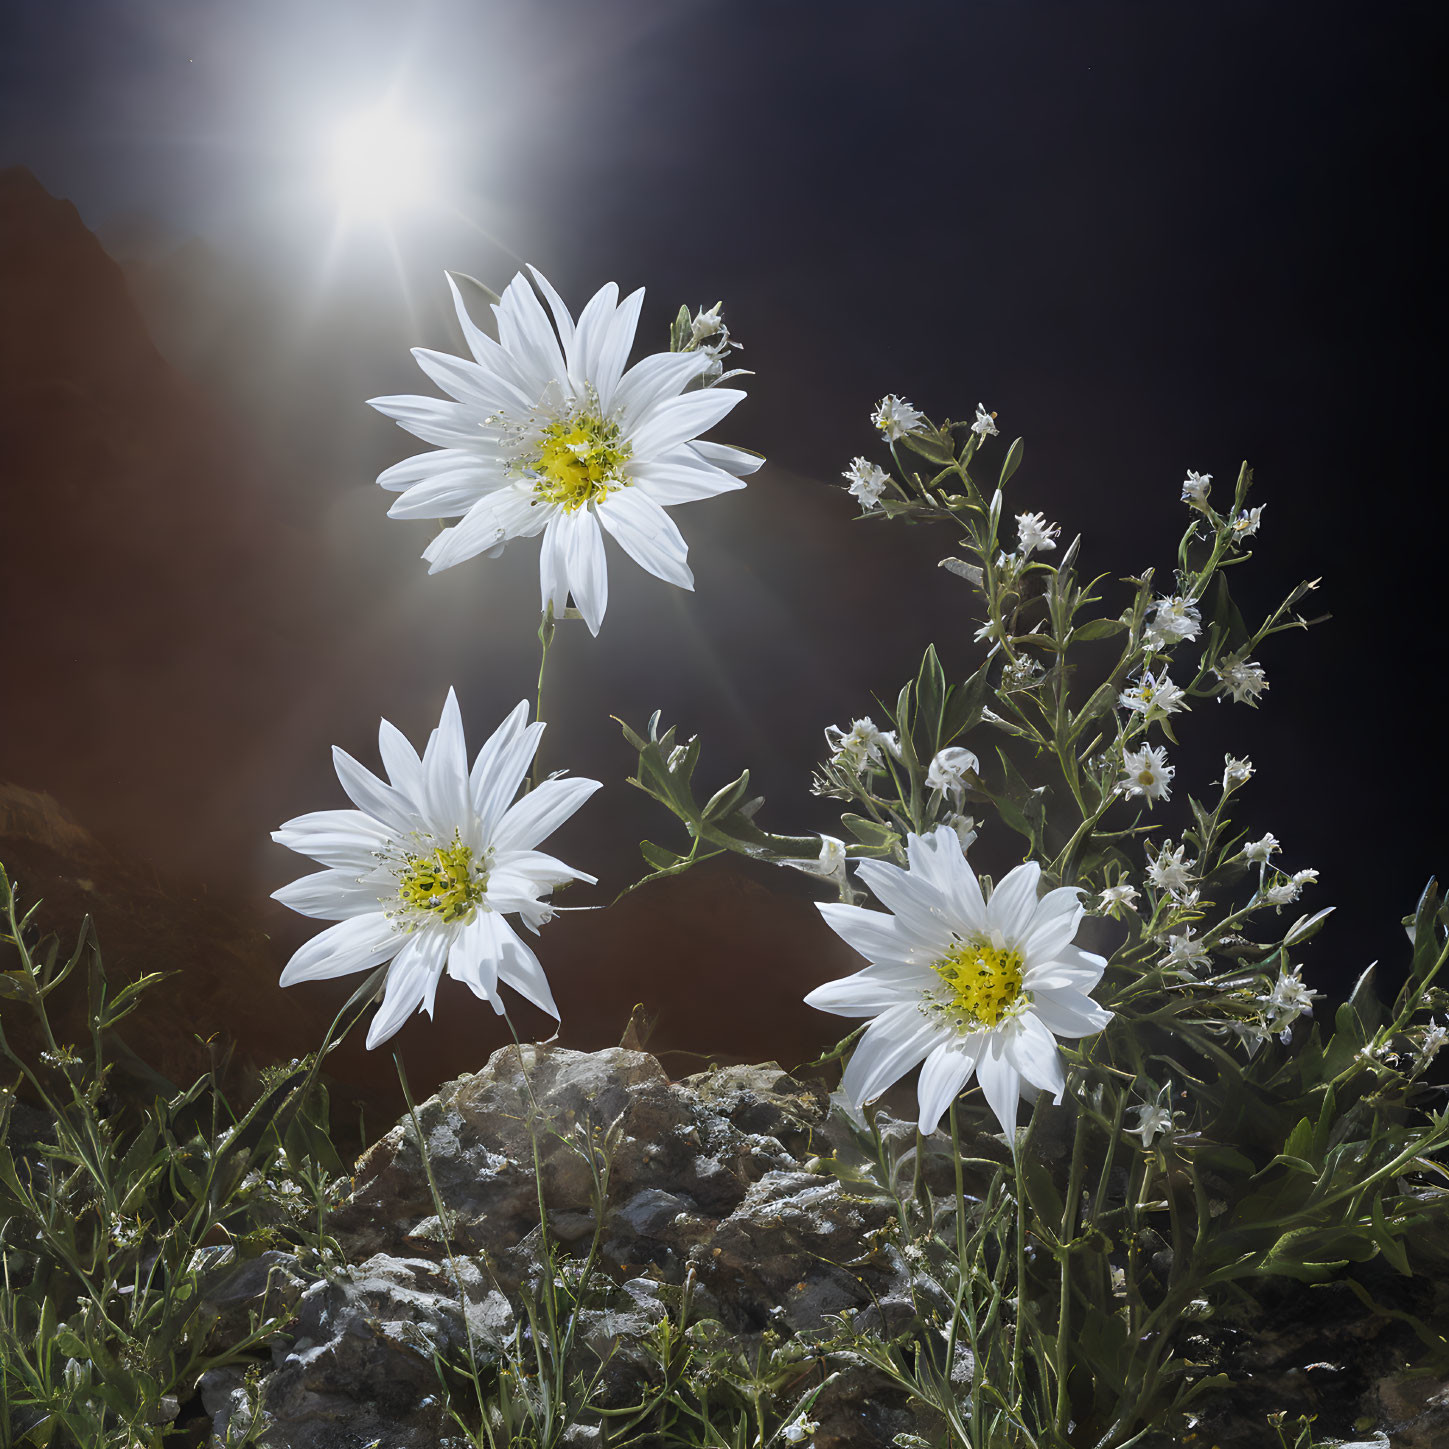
x: 867, y: 482
x: 1196, y: 487
x: 1146, y: 772
x: 1034, y: 532
x: 1236, y: 772
x: 860, y: 746
x: 1152, y: 697
x: 1115, y: 896
x: 1022, y: 673
x: 1171, y: 870
x: 985, y: 425
x: 1244, y: 679
x: 1186, y: 950
x: 1245, y: 523
x: 895, y: 417
x: 948, y: 771
x: 1174, y: 619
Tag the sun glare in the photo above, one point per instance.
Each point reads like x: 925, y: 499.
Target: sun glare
x: 379, y: 164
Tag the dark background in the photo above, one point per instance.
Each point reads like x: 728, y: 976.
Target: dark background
x: 1150, y: 237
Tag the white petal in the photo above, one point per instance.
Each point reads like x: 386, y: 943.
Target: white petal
x: 474, y: 955
x: 653, y: 380
x: 348, y: 839
x: 425, y: 465
x: 872, y: 991
x: 1032, y: 1050
x: 671, y: 483
x: 1066, y: 1012
x: 447, y: 799
x: 875, y: 934
x: 586, y: 349
x: 501, y: 765
x: 733, y: 460
x: 1013, y: 902
x: 410, y: 979
x: 562, y: 318
x: 526, y: 873
x: 939, y: 859
x: 916, y: 902
x: 369, y: 793
x: 614, y: 349
x: 1058, y: 914
x: 681, y: 419
x: 495, y: 518
x: 447, y: 495
x: 478, y: 388
x: 449, y: 424
x: 354, y: 945
x: 585, y: 566
x: 944, y: 1073
x: 553, y: 578
x: 647, y: 534
x: 329, y: 895
x: 541, y: 812
x: 400, y: 760
x: 526, y: 335
x: 1071, y: 966
x: 1000, y: 1081
x: 520, y: 969
x: 893, y: 1043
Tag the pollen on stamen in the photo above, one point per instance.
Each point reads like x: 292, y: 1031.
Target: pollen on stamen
x: 983, y: 981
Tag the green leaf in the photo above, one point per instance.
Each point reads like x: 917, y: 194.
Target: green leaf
x: 869, y: 832
x: 658, y: 857
x: 1101, y: 701
x: 726, y: 798
x: 1010, y: 464
x: 930, y: 702
x: 1388, y: 1244
x: 931, y: 446
x: 1095, y: 629
x: 964, y: 704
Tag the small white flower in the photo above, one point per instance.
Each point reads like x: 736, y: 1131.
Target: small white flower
x: 1281, y: 893
x: 1245, y: 680
x: 1435, y: 1036
x: 544, y: 432
x: 798, y: 1430
x: 829, y: 864
x: 1023, y: 673
x: 424, y: 871
x: 1153, y: 1121
x: 1258, y: 851
x: 965, y: 828
x: 895, y: 417
x: 1174, y: 618
x: 1288, y: 999
x: 949, y: 769
x: 1121, y: 894
x: 861, y: 745
x: 708, y: 332
x: 867, y: 482
x: 1186, y: 950
x: 1151, y: 696
x: 1146, y: 772
x: 985, y: 425
x: 1236, y: 772
x: 964, y: 984
x: 1196, y: 488
x: 1306, y: 876
x: 1170, y: 871
x: 1245, y: 523
x: 1034, y: 532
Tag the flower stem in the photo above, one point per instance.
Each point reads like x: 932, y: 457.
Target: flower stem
x: 545, y: 638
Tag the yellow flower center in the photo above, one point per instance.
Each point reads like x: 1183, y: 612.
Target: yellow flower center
x: 442, y: 884
x: 985, y: 978
x: 1146, y: 778
x: 579, y: 459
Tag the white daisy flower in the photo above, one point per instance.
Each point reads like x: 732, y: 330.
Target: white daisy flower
x: 1171, y: 871
x: 1121, y: 894
x: 1153, y: 1121
x: 961, y: 983
x: 545, y: 432
x: 426, y: 868
x: 1186, y: 950
x: 1245, y: 680
x: 1174, y: 618
x: 895, y: 417
x: 867, y: 482
x: 1196, y: 488
x: 1034, y: 532
x: 985, y: 425
x: 1146, y: 772
x: 1151, y: 696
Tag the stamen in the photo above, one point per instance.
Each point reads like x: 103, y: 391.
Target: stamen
x: 984, y: 979
x: 444, y: 884
x: 579, y: 460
